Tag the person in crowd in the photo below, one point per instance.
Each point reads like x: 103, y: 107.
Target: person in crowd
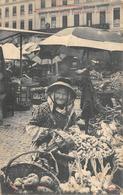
x: 2, y: 84
x: 57, y: 113
x: 2, y: 96
x: 89, y: 103
x: 10, y: 98
x: 64, y: 66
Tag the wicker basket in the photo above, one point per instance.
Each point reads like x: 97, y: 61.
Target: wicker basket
x: 20, y: 170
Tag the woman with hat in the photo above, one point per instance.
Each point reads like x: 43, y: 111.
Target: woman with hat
x: 56, y: 113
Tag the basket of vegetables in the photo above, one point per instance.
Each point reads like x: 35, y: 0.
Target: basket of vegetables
x: 28, y: 178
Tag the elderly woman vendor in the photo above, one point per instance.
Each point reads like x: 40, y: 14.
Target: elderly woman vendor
x: 57, y: 113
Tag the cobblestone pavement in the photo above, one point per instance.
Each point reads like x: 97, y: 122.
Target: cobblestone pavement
x: 13, y: 138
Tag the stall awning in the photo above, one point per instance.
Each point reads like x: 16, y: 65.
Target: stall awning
x: 6, y: 33
x: 11, y: 52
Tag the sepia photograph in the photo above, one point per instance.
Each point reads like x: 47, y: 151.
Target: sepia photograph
x: 61, y: 97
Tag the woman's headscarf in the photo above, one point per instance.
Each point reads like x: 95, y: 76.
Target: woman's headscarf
x: 64, y: 83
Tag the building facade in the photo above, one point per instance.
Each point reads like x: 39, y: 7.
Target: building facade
x: 58, y: 14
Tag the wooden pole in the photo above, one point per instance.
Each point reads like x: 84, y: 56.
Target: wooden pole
x: 87, y: 53
x: 21, y: 55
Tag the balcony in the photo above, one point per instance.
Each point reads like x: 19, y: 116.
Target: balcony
x: 97, y: 1
x: 58, y: 8
x: 86, y: 5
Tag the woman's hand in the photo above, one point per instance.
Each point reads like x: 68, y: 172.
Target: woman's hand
x: 66, y: 140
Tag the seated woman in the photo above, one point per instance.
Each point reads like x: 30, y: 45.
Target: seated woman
x: 56, y: 113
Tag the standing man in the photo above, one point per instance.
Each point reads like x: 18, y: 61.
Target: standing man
x: 88, y: 102
x: 2, y: 96
x: 2, y: 84
x: 64, y: 67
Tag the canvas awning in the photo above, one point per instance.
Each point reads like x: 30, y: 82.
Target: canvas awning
x: 11, y: 52
x: 30, y: 47
x: 6, y: 33
x: 84, y: 37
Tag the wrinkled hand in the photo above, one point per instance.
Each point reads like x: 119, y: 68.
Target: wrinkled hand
x: 66, y: 140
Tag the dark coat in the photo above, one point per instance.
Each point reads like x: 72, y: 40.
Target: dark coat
x: 88, y: 96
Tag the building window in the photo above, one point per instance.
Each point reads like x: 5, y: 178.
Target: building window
x: 30, y: 9
x: 53, y: 3
x: 116, y: 14
x: 14, y: 24
x: 7, y: 1
x: 42, y: 3
x: 64, y: 21
x: 76, y: 2
x: 64, y: 2
x: 53, y: 22
x: 0, y: 12
x: 116, y: 17
x: 76, y: 20
x: 22, y: 10
x: 14, y: 11
x: 6, y: 24
x: 102, y: 17
x: 6, y: 12
x: 22, y: 24
x: 30, y: 24
x: 0, y: 24
x: 89, y: 19
x: 43, y: 22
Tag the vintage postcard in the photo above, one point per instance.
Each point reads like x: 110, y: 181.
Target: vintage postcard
x: 61, y: 97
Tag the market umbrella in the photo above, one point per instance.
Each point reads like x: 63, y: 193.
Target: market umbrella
x: 83, y: 37
x: 30, y: 47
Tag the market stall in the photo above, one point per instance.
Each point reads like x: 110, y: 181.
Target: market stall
x: 19, y: 67
x: 91, y: 160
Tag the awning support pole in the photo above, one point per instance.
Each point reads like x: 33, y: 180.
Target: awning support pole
x: 20, y: 55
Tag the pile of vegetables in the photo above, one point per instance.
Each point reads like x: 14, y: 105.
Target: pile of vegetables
x: 91, y: 147
x: 93, y: 150
x: 111, y: 83
x: 83, y: 150
x: 84, y: 183
x: 32, y: 183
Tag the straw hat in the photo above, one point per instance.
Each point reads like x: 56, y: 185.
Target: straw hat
x: 63, y: 82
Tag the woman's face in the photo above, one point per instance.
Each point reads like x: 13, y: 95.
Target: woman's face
x: 61, y: 96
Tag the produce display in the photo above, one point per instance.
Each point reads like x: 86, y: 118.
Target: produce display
x: 93, y: 151
x: 111, y: 81
x: 32, y: 183
x: 92, y: 159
